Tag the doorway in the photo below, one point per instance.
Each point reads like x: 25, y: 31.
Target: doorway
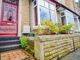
x: 9, y: 18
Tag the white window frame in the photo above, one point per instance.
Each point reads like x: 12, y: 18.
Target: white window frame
x: 38, y: 11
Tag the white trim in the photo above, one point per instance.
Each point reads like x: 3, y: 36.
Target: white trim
x: 56, y: 14
x: 78, y: 23
x: 32, y: 15
x: 19, y: 17
x: 38, y: 11
x: 0, y: 8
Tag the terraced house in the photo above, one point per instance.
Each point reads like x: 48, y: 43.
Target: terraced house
x: 23, y: 16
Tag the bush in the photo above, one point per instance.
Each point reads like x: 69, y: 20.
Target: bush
x: 66, y: 28
x: 48, y: 27
x: 24, y: 41
x: 55, y: 30
x: 51, y: 26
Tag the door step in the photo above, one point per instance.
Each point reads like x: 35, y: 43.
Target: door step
x: 9, y: 43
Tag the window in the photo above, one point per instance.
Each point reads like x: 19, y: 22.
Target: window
x: 35, y: 12
x: 9, y: 13
x: 34, y: 2
x: 36, y: 18
x: 43, y: 11
x: 76, y: 23
x: 47, y: 12
x: 63, y: 19
x: 77, y: 2
x: 44, y: 14
x: 42, y: 2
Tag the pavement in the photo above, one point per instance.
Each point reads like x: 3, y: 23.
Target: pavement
x: 16, y: 55
x: 20, y: 55
x: 73, y: 56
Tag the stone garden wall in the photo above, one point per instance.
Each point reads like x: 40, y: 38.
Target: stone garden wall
x: 54, y: 47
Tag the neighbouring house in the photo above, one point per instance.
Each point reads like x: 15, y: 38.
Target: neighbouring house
x: 23, y: 16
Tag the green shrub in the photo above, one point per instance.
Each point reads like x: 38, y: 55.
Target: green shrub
x: 55, y: 30
x: 24, y: 41
x: 66, y: 28
x: 52, y: 28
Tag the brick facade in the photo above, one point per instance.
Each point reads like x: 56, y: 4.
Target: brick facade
x: 25, y: 13
x: 71, y: 5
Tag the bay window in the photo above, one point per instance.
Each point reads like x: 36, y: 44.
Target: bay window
x: 44, y: 14
x: 44, y: 11
x: 47, y: 11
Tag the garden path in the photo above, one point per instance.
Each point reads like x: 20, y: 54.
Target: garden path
x: 16, y: 55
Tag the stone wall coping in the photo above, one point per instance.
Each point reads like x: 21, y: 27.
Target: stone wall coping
x: 43, y: 38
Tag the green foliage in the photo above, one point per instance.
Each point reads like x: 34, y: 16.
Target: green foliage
x: 48, y: 23
x: 40, y: 30
x: 53, y: 28
x: 66, y: 28
x: 24, y: 41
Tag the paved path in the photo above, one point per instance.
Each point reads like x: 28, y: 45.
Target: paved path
x: 73, y: 56
x: 16, y: 55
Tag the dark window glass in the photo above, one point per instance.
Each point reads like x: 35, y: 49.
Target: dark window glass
x: 36, y: 16
x: 63, y: 20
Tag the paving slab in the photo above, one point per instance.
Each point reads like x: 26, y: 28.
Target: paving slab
x: 15, y: 55
x: 73, y: 56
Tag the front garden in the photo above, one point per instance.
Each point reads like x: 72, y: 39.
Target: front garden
x: 51, y: 41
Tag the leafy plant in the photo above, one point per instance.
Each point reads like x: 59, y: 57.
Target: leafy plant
x: 55, y: 30
x: 66, y: 28
x: 48, y: 27
x: 40, y: 30
x: 24, y: 41
x: 51, y: 26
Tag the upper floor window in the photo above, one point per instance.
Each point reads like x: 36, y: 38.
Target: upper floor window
x: 77, y: 2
